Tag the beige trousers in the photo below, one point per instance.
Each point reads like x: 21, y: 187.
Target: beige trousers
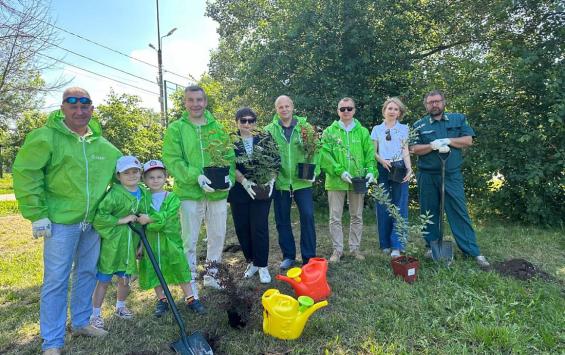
x: 336, y: 200
x: 214, y: 214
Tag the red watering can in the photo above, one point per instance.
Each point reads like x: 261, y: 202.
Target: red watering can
x: 310, y: 280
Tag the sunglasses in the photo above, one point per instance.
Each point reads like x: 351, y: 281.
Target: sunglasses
x: 388, y: 137
x: 349, y: 109
x: 74, y: 100
x: 250, y: 121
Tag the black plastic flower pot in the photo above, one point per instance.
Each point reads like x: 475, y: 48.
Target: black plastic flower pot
x: 261, y: 192
x: 219, y: 176
x: 306, y: 171
x: 359, y: 185
x: 397, y: 173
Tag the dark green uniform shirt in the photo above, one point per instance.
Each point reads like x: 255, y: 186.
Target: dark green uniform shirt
x: 451, y: 125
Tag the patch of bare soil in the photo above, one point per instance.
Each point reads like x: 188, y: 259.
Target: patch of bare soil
x: 521, y: 269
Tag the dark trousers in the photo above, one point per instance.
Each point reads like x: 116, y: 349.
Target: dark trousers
x: 251, y: 222
x: 303, y: 199
x: 429, y: 191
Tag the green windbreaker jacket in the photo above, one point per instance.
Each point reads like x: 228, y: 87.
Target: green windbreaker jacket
x: 291, y: 154
x: 63, y: 176
x: 118, y: 243
x: 343, y: 151
x: 184, y: 156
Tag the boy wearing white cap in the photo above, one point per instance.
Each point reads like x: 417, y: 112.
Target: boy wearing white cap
x: 164, y: 236
x: 125, y: 202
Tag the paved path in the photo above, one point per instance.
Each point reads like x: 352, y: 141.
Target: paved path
x: 8, y: 197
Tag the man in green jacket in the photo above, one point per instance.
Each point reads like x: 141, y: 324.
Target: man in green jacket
x: 287, y: 130
x: 60, y: 175
x: 186, y: 151
x: 347, y: 152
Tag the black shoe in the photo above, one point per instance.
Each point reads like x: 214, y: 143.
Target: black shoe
x: 161, y: 308
x: 196, y: 307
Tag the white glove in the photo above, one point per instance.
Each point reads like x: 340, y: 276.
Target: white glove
x: 345, y: 176
x: 248, y: 186
x: 444, y: 149
x: 445, y: 141
x: 203, y: 182
x: 271, y: 185
x: 41, y: 228
x: 370, y: 178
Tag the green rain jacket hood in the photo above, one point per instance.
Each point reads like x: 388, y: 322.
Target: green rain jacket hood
x: 291, y: 154
x: 335, y: 160
x: 184, y: 155
x: 60, y: 175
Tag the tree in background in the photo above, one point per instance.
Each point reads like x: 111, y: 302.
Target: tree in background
x: 25, y: 33
x: 499, y: 62
x: 132, y: 129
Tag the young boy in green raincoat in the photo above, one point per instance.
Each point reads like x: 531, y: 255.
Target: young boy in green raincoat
x: 125, y: 202
x: 164, y: 236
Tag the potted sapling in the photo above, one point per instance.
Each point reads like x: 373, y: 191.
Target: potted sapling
x: 405, y: 266
x: 310, y: 141
x: 219, y: 149
x: 238, y: 301
x: 262, y: 165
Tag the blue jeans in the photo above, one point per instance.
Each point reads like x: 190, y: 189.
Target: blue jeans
x: 68, y: 249
x: 398, y: 193
x: 303, y: 199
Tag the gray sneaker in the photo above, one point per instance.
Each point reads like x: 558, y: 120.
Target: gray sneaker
x: 52, y: 351
x: 90, y: 331
x: 287, y: 263
x: 482, y: 261
x: 428, y: 254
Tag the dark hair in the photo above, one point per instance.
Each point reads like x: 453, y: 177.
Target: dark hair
x: 244, y: 111
x: 195, y: 88
x: 434, y: 93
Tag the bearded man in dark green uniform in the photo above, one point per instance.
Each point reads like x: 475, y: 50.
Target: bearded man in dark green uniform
x: 446, y: 134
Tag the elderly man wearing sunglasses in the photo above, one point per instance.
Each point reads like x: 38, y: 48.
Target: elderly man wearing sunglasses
x: 60, y: 175
x: 347, y: 152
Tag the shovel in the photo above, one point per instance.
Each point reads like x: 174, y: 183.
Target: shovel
x: 194, y: 344
x: 442, y: 250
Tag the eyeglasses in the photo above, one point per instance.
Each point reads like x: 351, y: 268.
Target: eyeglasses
x: 249, y: 121
x: 434, y: 102
x: 74, y: 100
x: 388, y: 137
x: 349, y: 109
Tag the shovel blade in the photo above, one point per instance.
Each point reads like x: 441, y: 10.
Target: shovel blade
x: 442, y: 250
x: 195, y: 344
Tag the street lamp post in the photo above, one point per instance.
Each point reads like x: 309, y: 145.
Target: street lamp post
x: 160, y: 67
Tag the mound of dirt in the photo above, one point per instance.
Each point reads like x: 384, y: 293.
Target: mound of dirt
x: 521, y: 269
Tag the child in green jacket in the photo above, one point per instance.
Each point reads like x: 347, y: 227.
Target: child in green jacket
x: 163, y: 234
x: 124, y: 203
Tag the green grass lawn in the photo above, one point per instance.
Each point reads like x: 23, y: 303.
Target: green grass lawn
x: 6, y: 184
x: 458, y: 310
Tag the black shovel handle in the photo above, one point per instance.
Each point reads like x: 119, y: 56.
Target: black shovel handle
x: 141, y: 233
x: 442, y: 200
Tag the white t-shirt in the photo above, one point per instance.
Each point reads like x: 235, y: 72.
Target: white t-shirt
x: 392, y: 149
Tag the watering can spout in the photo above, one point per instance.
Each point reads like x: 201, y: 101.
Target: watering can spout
x: 292, y: 282
x: 308, y: 312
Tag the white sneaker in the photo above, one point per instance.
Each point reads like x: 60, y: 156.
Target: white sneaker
x: 428, y: 254
x: 210, y: 281
x: 97, y: 322
x: 264, y: 276
x: 482, y: 261
x: 250, y: 271
x: 386, y: 251
x: 395, y: 253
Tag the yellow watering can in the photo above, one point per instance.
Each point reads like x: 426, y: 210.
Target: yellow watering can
x: 285, y: 317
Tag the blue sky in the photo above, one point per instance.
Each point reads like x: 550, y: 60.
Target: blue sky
x: 129, y: 26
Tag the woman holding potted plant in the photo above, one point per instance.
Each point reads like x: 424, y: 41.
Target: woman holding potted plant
x: 257, y: 165
x: 391, y: 151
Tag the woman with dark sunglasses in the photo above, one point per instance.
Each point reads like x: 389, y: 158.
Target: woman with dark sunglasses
x: 391, y: 151
x: 250, y: 211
